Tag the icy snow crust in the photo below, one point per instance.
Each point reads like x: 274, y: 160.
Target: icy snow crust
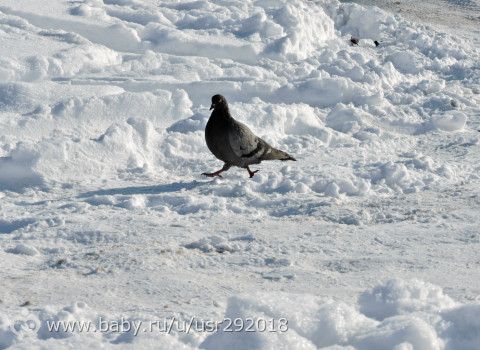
x: 102, y: 110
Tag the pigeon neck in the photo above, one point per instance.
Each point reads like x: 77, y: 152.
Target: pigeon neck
x: 222, y: 112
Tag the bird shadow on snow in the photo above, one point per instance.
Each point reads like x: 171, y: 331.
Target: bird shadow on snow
x: 156, y: 189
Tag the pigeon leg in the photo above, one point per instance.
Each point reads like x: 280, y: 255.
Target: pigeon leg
x: 218, y: 172
x: 251, y: 173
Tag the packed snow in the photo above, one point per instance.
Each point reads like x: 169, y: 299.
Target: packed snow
x: 369, y: 241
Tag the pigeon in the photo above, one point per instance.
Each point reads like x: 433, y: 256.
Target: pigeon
x: 234, y: 143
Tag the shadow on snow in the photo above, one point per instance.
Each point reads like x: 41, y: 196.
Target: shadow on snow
x: 164, y: 188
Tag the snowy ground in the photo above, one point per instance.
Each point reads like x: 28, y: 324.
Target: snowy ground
x: 369, y: 241
x: 461, y: 17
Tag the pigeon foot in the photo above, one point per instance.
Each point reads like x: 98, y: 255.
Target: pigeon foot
x: 251, y: 173
x: 215, y: 173
x: 218, y: 172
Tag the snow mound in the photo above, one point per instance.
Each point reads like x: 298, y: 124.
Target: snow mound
x: 84, y: 58
x: 398, y: 297
x: 241, y: 31
x: 463, y: 327
x: 111, y: 133
x: 305, y: 28
x: 16, y: 97
x: 275, y: 122
x: 17, y: 171
x: 405, y: 316
x: 453, y: 121
x: 214, y: 244
x: 23, y: 249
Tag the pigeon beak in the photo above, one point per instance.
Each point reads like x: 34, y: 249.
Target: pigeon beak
x: 212, y: 106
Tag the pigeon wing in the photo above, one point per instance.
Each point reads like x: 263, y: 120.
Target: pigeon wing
x: 244, y: 143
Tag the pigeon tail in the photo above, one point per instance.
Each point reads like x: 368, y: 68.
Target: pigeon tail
x: 276, y: 154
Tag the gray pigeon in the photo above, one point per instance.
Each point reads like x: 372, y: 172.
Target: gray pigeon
x: 234, y: 143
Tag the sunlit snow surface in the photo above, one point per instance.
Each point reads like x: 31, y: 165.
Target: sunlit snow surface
x: 369, y: 241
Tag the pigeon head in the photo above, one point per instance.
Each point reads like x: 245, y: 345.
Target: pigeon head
x: 219, y: 102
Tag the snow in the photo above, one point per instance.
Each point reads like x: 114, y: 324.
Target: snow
x: 395, y: 315
x: 369, y: 241
x: 24, y: 249
x: 450, y: 122
x: 398, y: 297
